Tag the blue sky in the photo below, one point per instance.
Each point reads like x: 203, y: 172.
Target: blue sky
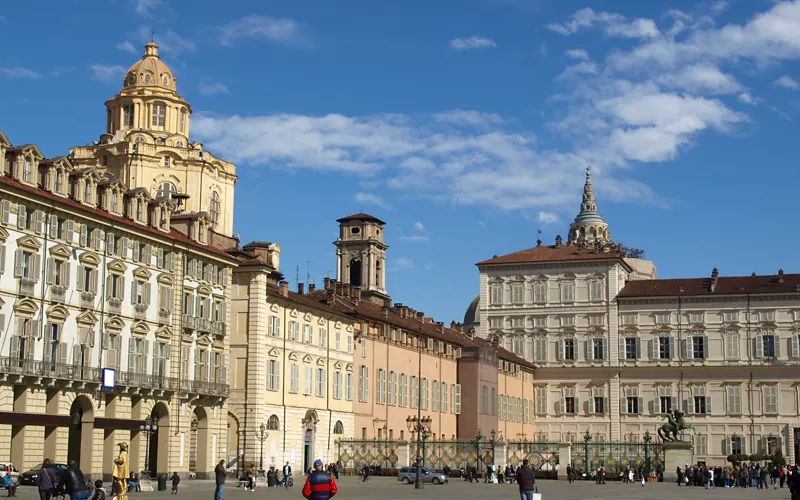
x: 464, y: 124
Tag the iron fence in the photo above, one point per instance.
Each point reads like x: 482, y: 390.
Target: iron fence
x: 354, y: 454
x: 617, y: 457
x: 543, y: 457
x: 455, y: 454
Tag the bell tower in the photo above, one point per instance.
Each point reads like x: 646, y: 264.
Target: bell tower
x: 361, y: 254
x: 589, y: 226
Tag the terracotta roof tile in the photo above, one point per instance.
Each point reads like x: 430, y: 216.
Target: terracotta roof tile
x: 361, y: 216
x: 726, y: 285
x: 79, y: 207
x: 306, y: 300
x: 548, y: 254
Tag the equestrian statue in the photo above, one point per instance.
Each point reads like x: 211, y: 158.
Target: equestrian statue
x: 675, y: 424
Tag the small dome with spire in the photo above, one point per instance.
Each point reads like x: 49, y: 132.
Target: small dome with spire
x: 150, y: 71
x: 589, y: 225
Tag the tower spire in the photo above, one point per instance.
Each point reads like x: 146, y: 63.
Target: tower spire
x: 589, y: 224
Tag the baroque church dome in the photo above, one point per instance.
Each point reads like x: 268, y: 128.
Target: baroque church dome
x: 150, y: 72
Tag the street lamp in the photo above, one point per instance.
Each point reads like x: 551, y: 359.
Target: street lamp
x: 149, y: 427
x: 492, y: 439
x: 262, y: 436
x: 420, y: 425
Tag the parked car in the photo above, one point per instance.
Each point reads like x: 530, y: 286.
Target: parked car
x: 10, y: 469
x: 28, y: 478
x: 408, y: 475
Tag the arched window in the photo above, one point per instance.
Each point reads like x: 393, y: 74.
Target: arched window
x: 139, y: 138
x: 159, y: 114
x: 179, y: 143
x: 113, y: 203
x: 273, y: 424
x: 338, y: 428
x: 148, y: 79
x: 166, y: 190
x: 214, y: 209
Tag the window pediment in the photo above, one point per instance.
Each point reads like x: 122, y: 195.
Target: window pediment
x: 62, y: 251
x: 204, y: 290
x: 321, y: 321
x: 143, y: 273
x: 307, y: 317
x: 274, y: 353
x: 274, y: 308
x: 204, y: 341
x: 539, y: 277
x: 140, y: 329
x: 338, y: 365
x: 165, y: 279
x: 115, y: 324
x: 117, y: 266
x: 3, y: 235
x: 25, y: 308
x: 349, y: 329
x: 57, y: 314
x: 307, y: 359
x: 90, y: 259
x: 567, y: 277
x: 30, y: 243
x: 164, y: 332
x: 338, y: 325
x: 293, y: 313
x: 495, y: 281
x: 320, y: 362
x: 87, y: 317
x: 293, y: 356
x: 349, y: 367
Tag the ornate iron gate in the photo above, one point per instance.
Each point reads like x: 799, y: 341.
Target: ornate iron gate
x: 355, y: 454
x: 456, y: 454
x: 543, y: 457
x: 617, y: 457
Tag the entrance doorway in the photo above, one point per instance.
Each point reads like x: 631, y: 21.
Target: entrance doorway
x: 307, y: 452
x: 158, y: 454
x: 81, y: 428
x: 310, y: 428
x: 796, y: 445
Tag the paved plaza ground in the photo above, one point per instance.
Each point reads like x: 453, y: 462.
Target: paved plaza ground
x: 390, y: 488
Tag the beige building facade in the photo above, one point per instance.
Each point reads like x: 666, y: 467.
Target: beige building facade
x: 615, y: 348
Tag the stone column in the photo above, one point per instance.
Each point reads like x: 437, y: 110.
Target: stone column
x: 500, y: 454
x: 403, y: 454
x: 564, y: 458
x: 254, y: 414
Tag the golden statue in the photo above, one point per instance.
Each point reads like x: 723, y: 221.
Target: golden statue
x: 120, y: 473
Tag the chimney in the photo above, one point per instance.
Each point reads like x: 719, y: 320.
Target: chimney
x: 714, y: 278
x: 326, y: 283
x: 284, y: 288
x: 355, y: 293
x: 398, y: 308
x: 312, y: 287
x: 338, y: 288
x: 428, y: 320
x: 559, y: 241
x: 780, y: 275
x: 420, y: 316
x: 538, y: 243
x: 385, y: 311
x: 346, y: 289
x: 301, y: 288
x: 440, y: 325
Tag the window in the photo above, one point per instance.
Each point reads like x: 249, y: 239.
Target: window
x: 496, y: 323
x: 58, y: 181
x: 539, y: 321
x: 363, y: 383
x: 139, y: 292
x: 214, y: 209
x: 698, y: 347
x: 596, y: 320
x: 348, y: 395
x: 294, y: 330
x: 736, y: 445
x: 665, y: 347
x: 771, y: 445
x: 127, y: 115
x: 403, y: 390
x: 321, y: 382
x: 598, y: 349
x: 696, y: 317
x: 26, y: 265
x: 595, y: 290
x: 631, y: 402
x: 273, y: 375
x: 734, y: 399
x: 496, y: 295
x: 456, y: 406
x: 768, y: 316
x: 731, y: 344
x: 338, y: 340
x: 294, y: 380
x: 443, y: 393
x: 517, y: 293
x: 567, y: 321
x: 770, y: 399
x: 569, y: 403
x: 767, y: 346
x: 700, y: 403
x: 662, y: 318
x: 567, y: 350
x: 540, y: 293
x: 274, y: 326
x: 308, y: 379
x: 730, y: 317
x: 363, y: 349
x: 414, y: 391
x: 159, y: 114
x: 540, y: 401
x: 435, y: 396
x: 519, y: 345
x: 598, y: 402
x: 484, y: 399
x: 630, y: 347
x: 26, y: 170
x: 308, y: 334
x: 337, y: 385
x: 87, y: 191
x: 323, y: 337
x: 424, y: 395
x: 392, y: 388
x: 540, y: 349
x: 182, y: 122
x: 350, y: 344
x: 568, y: 292
x: 664, y: 404
x: 57, y: 272
x: 628, y: 319
x: 166, y: 189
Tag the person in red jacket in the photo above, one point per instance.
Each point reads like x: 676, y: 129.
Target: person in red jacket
x: 319, y: 484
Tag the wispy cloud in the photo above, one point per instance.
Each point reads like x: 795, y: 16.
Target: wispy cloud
x: 419, y: 226
x: 473, y: 42
x: 106, y: 73
x: 126, y: 46
x: 19, y: 72
x: 615, y: 25
x: 788, y: 82
x: 283, y: 30
x: 421, y: 235
x: 370, y: 199
x: 169, y: 42
x: 212, y: 88
x: 747, y: 98
x: 578, y: 54
x: 145, y: 7
x: 547, y: 218
x: 403, y: 263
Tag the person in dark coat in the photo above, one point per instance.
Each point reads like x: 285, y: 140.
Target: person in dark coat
x: 319, y: 484
x: 526, y: 480
x: 73, y: 483
x: 46, y: 480
x: 220, y: 474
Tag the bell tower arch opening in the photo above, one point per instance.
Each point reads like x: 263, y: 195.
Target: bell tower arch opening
x: 361, y: 254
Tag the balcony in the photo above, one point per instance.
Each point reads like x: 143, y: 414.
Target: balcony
x: 27, y: 287
x: 49, y: 370
x: 203, y: 325
x: 140, y: 312
x: 146, y: 381
x: 58, y: 294
x: 188, y: 322
x: 87, y: 300
x: 164, y: 317
x: 218, y: 328
x: 206, y: 388
x: 115, y: 306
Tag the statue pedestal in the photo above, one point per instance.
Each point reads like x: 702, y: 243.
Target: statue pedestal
x: 676, y: 454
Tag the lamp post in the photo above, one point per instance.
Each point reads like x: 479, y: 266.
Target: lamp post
x: 587, y: 438
x: 420, y: 425
x: 647, y: 439
x: 262, y: 436
x: 149, y: 427
x: 492, y: 438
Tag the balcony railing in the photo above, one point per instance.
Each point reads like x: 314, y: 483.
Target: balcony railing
x: 139, y: 311
x: 188, y: 321
x: 206, y: 388
x: 218, y: 328
x: 87, y: 300
x: 114, y: 306
x: 164, y: 317
x: 203, y: 324
x: 49, y: 369
x: 147, y: 381
x: 58, y: 293
x: 27, y: 287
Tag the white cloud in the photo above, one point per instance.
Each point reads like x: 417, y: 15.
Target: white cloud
x: 419, y: 226
x: 19, y: 72
x: 615, y: 25
x: 169, y: 42
x: 547, y: 218
x: 211, y: 88
x: 788, y: 82
x: 403, y: 263
x: 747, y: 98
x: 107, y: 73
x: 126, y: 46
x: 370, y: 199
x: 284, y: 30
x: 144, y: 7
x: 473, y: 42
x: 417, y: 238
x: 466, y: 117
x: 582, y: 68
x: 702, y: 78
x: 578, y: 54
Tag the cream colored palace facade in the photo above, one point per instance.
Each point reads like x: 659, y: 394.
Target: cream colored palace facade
x: 615, y: 348
x: 113, y: 258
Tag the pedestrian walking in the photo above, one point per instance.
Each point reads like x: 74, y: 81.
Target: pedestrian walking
x: 526, y: 480
x: 176, y: 480
x: 287, y: 473
x: 319, y: 484
x: 46, y: 480
x: 220, y: 472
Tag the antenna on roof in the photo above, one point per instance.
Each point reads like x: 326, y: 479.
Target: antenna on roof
x: 308, y: 272
x: 297, y: 275
x: 152, y: 35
